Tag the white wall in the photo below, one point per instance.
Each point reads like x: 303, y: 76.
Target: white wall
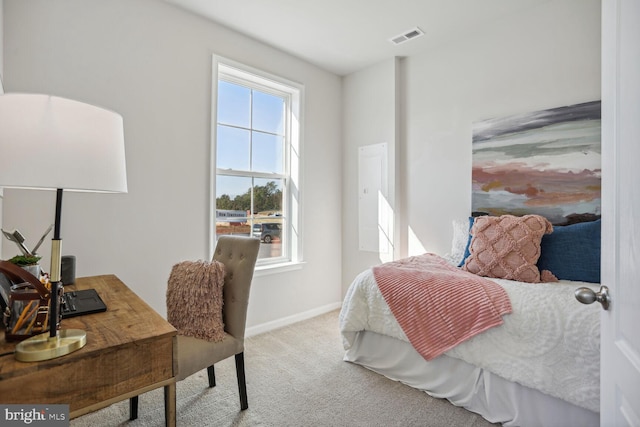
x: 369, y: 105
x: 151, y: 62
x: 1, y: 92
x: 547, y: 56
x: 1, y: 37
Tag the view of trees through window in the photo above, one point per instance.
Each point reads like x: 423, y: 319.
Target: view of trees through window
x: 266, y: 197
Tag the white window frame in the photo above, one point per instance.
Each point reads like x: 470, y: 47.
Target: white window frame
x: 292, y: 191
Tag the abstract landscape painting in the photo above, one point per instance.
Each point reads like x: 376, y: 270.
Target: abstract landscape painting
x: 545, y: 162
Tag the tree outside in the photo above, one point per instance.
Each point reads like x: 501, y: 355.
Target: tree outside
x: 266, y: 197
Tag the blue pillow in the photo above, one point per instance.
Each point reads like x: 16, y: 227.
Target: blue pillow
x: 572, y: 252
x: 466, y: 249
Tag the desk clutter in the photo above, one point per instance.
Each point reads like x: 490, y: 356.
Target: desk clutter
x: 25, y: 300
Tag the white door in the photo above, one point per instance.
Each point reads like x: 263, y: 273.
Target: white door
x: 620, y: 325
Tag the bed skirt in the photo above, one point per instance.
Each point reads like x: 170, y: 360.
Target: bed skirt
x: 494, y: 398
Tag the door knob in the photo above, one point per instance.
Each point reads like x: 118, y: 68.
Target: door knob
x: 588, y: 296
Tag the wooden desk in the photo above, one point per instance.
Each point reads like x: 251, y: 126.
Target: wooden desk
x: 129, y: 351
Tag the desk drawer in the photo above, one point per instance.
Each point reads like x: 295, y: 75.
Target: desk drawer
x: 101, y: 376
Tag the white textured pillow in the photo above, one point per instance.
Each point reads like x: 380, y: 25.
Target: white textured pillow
x: 460, y: 239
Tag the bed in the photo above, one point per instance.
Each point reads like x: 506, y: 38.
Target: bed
x: 538, y: 367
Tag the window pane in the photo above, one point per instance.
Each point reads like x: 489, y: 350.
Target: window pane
x: 268, y: 222
x: 234, y: 104
x: 233, y: 150
x: 268, y: 113
x: 270, y: 231
x: 267, y: 154
x: 233, y: 192
x: 267, y: 196
x: 233, y: 204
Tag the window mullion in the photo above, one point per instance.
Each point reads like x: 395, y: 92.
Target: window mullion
x: 253, y: 182
x: 265, y: 175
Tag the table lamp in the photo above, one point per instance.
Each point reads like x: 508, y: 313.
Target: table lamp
x: 53, y: 143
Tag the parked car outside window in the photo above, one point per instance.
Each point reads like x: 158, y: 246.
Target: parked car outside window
x: 267, y: 232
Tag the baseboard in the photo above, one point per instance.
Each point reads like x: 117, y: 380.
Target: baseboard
x: 289, y: 320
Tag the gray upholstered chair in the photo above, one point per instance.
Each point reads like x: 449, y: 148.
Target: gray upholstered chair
x: 238, y: 254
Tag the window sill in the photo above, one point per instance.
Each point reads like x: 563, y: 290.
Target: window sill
x: 265, y: 270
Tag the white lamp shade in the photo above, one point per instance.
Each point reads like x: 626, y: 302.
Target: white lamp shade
x: 47, y: 142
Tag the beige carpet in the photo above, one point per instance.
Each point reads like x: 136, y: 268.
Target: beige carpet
x: 295, y: 377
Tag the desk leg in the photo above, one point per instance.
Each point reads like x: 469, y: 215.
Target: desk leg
x: 170, y: 405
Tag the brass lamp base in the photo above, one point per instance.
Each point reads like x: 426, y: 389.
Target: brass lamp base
x: 43, y: 347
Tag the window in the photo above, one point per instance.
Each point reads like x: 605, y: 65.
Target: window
x: 256, y: 151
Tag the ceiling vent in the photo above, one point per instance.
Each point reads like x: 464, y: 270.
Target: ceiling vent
x: 407, y: 35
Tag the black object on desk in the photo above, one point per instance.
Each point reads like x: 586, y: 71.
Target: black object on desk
x: 77, y: 303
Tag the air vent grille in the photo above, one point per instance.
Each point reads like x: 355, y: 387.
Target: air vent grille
x: 407, y: 35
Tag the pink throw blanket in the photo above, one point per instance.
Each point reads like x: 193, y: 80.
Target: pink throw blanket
x: 437, y: 305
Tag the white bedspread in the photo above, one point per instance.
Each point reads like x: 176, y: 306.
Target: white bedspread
x: 550, y: 342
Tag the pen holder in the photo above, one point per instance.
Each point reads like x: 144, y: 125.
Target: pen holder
x: 26, y: 311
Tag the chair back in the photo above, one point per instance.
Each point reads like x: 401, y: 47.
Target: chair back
x: 239, y: 255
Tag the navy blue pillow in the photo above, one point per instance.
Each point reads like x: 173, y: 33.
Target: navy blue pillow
x: 466, y: 249
x: 572, y: 252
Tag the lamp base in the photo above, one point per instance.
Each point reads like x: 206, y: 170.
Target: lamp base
x: 43, y: 347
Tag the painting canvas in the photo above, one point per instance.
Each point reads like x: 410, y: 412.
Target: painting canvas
x: 546, y: 162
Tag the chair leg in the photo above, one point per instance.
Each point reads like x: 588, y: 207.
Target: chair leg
x: 170, y: 405
x: 133, y: 408
x: 242, y: 384
x: 211, y: 373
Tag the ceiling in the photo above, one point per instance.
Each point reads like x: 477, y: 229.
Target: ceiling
x: 343, y: 36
